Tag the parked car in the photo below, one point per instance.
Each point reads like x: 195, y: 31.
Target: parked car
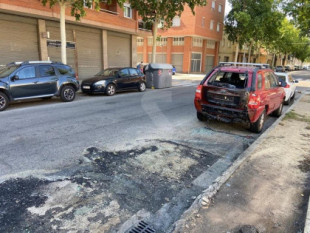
x: 111, y: 80
x: 288, y: 68
x: 280, y: 69
x: 242, y: 92
x: 36, y: 79
x: 289, y: 87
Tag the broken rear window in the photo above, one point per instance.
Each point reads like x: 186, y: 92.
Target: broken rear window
x: 228, y: 79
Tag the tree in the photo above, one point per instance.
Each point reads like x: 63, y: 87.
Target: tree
x: 253, y: 22
x: 302, y: 49
x: 155, y: 11
x: 300, y: 11
x: 77, y: 10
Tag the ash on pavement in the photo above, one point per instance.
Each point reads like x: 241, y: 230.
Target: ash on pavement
x: 106, y: 190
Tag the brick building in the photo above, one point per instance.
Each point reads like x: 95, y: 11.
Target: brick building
x: 191, y: 44
x: 105, y: 38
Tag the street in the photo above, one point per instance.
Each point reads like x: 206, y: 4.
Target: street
x: 116, y: 159
x: 53, y: 135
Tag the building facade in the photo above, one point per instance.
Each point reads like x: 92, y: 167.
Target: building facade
x: 191, y: 44
x: 101, y: 39
x: 227, y: 50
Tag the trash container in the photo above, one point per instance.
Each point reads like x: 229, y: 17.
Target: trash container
x: 158, y: 75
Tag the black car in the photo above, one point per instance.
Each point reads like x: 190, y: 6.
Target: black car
x: 111, y: 80
x: 36, y: 79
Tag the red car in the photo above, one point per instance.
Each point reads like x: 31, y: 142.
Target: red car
x: 244, y: 92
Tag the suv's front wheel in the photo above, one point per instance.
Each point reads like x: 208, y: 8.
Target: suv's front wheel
x: 259, y: 124
x: 67, y: 94
x: 4, y: 101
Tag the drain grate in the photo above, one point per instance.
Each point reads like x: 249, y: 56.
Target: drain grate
x: 142, y: 227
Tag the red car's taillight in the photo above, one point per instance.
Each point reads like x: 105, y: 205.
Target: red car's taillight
x: 198, y: 92
x: 254, y: 101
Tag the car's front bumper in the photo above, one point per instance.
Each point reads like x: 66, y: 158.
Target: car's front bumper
x: 90, y: 89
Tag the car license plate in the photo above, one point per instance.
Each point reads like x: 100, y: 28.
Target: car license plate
x: 86, y: 87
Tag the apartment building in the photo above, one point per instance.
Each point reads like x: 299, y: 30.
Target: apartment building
x: 105, y: 38
x: 191, y: 44
x: 227, y: 50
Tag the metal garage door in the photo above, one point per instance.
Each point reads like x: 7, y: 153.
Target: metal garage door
x: 160, y: 58
x: 119, y: 49
x: 177, y: 61
x: 209, y: 63
x: 54, y: 53
x: 89, y: 49
x: 18, y: 39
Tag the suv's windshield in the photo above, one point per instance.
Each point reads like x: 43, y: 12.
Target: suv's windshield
x: 107, y: 72
x: 228, y: 79
x: 7, y: 71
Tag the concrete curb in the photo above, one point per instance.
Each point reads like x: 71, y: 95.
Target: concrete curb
x: 204, y: 199
x: 307, y: 223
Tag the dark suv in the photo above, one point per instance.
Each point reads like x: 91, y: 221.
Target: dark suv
x: 36, y: 79
x: 243, y: 92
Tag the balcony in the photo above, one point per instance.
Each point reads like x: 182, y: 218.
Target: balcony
x: 109, y: 8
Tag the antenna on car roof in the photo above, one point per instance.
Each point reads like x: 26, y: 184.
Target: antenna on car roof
x: 244, y: 64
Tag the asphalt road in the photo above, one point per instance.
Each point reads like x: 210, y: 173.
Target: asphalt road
x: 41, y: 136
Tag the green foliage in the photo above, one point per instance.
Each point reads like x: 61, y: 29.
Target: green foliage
x: 253, y: 21
x: 155, y: 10
x: 300, y: 11
x: 291, y: 41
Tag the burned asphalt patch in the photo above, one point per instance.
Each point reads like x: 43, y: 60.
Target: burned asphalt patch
x: 16, y: 196
x: 107, y: 189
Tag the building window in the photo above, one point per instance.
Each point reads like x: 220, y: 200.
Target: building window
x: 226, y: 59
x: 211, y: 44
x: 197, y: 42
x: 213, y: 5
x: 162, y: 41
x: 220, y: 8
x: 203, y: 22
x: 144, y: 26
x: 140, y: 41
x: 88, y: 4
x: 127, y: 10
x: 161, y: 24
x: 177, y: 41
x: 218, y: 27
x: 211, y: 24
x: 176, y: 22
x: 229, y: 44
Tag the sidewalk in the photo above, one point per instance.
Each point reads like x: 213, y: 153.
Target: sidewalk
x: 267, y: 189
x: 186, y: 79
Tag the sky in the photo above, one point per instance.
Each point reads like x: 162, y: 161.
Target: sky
x: 227, y: 7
